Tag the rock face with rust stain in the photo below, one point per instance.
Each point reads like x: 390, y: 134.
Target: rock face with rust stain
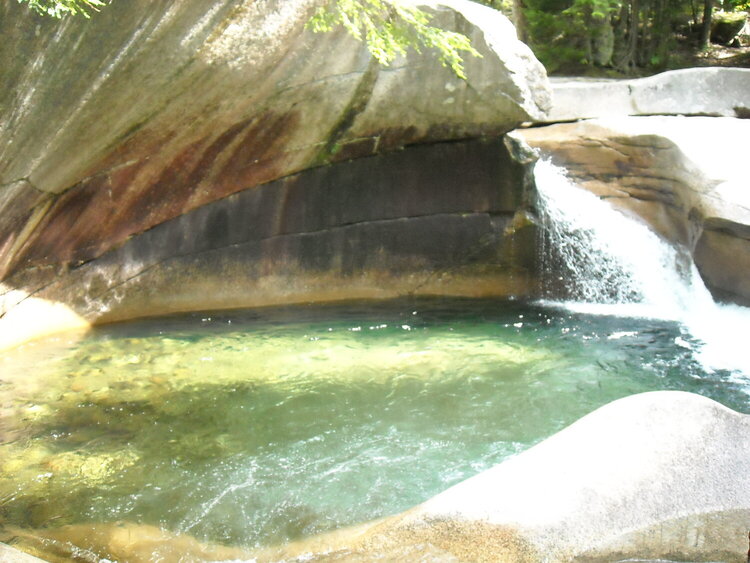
x: 685, y: 176
x: 124, y: 138
x: 404, y: 222
x: 172, y: 156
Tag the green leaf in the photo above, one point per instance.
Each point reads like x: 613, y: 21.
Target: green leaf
x: 390, y: 28
x: 61, y: 8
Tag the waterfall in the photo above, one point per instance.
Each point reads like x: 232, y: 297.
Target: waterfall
x: 603, y: 262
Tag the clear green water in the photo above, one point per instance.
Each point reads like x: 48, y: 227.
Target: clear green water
x: 257, y: 428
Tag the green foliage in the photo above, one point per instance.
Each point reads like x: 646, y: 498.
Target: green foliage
x: 598, y: 9
x: 629, y: 36
x: 557, y: 49
x: 390, y: 28
x: 60, y: 8
x: 735, y: 5
x: 731, y: 17
x: 568, y: 32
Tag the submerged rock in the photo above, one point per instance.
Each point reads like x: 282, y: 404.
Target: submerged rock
x: 11, y: 555
x: 90, y: 470
x: 119, y: 541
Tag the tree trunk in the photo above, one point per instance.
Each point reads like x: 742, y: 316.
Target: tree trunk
x: 630, y: 53
x: 694, y: 12
x: 645, y: 32
x: 519, y: 20
x: 620, y: 28
x: 706, y: 27
x: 662, y: 35
x: 602, y: 40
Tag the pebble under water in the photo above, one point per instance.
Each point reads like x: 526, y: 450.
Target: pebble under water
x: 256, y: 428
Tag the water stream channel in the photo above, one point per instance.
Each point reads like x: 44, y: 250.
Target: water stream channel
x: 255, y: 428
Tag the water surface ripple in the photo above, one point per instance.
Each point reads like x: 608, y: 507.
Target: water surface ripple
x: 255, y: 428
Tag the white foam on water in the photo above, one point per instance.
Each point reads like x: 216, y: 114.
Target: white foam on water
x: 615, y: 265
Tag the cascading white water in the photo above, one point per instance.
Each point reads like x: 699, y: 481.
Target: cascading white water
x: 608, y: 263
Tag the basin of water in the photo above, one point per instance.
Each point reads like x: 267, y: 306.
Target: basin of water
x: 255, y: 428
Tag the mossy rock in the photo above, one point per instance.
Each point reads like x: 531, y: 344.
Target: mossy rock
x: 726, y: 26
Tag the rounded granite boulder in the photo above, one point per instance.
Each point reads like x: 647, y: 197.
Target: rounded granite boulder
x: 662, y: 475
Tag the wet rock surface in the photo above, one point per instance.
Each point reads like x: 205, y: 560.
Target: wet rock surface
x: 440, y: 219
x: 11, y: 555
x: 682, y: 176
